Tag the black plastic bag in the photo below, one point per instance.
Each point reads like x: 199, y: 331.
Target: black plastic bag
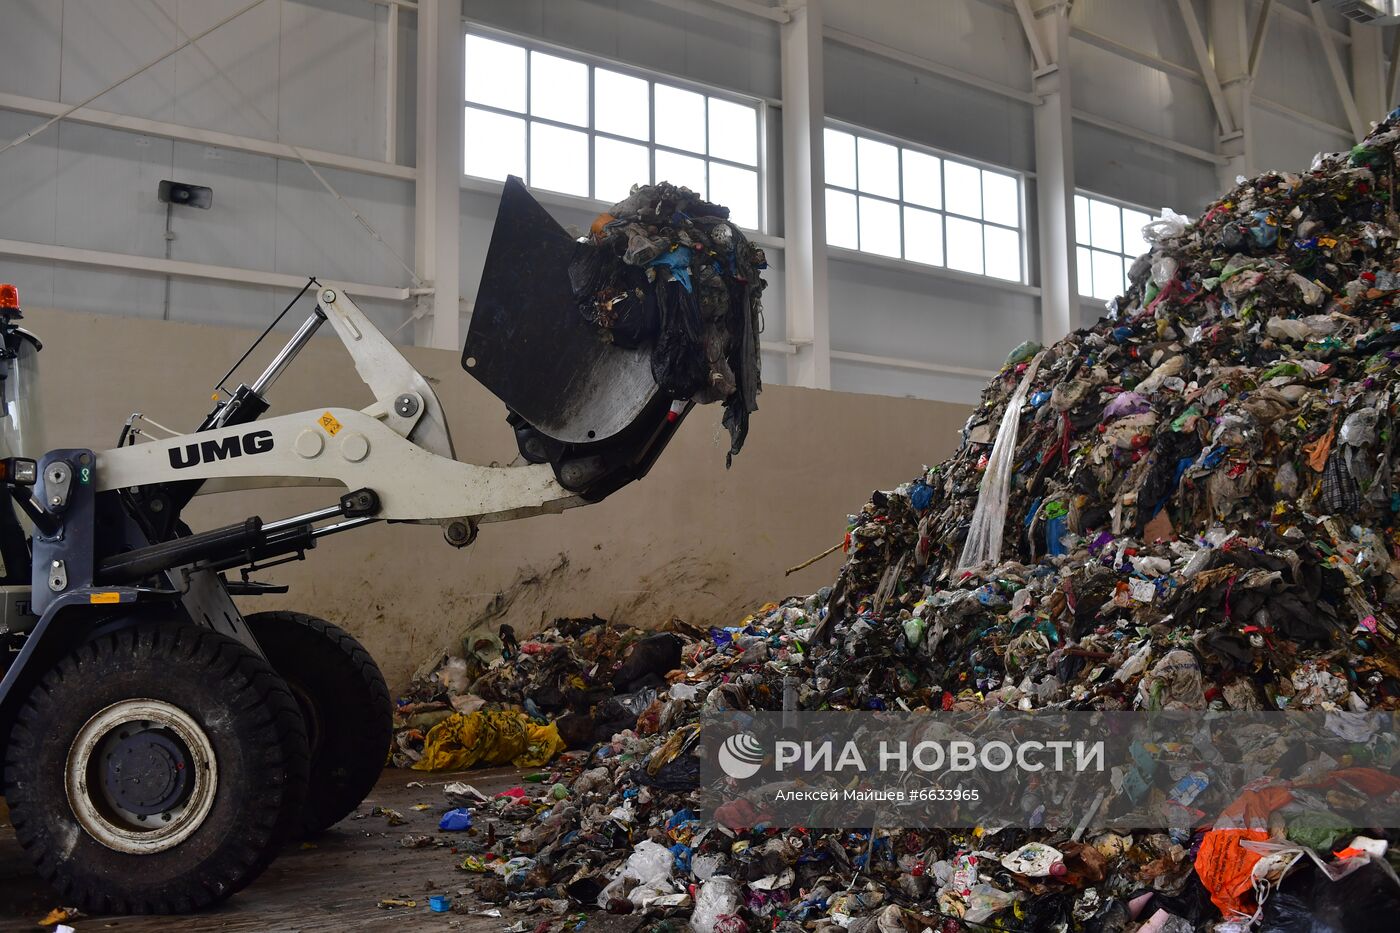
x: 648, y: 662
x: 1366, y: 901
x: 678, y: 362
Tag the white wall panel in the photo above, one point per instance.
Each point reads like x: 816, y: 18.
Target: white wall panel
x: 892, y: 98
x: 28, y: 181
x: 1293, y: 71
x: 331, y: 80
x: 478, y: 219
x: 316, y: 235
x: 314, y: 68
x: 241, y: 228
x: 1140, y: 172
x: 928, y: 318
x: 107, y: 291
x: 209, y: 302
x: 106, y: 197
x: 1142, y: 96
x: 693, y: 39
x: 105, y: 40
x: 407, y: 89
x: 977, y: 37
x: 1150, y: 26
x: 31, y: 66
x: 848, y: 376
x: 229, y: 80
x: 1288, y: 145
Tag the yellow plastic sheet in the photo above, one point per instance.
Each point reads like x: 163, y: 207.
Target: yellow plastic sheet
x: 464, y: 741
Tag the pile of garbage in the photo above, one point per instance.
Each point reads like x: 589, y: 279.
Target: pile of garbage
x: 500, y: 701
x: 1190, y: 506
x: 665, y: 268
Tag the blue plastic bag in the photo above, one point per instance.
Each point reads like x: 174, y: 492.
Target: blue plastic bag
x: 678, y: 262
x: 456, y: 821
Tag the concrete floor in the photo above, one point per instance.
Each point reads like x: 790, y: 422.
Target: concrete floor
x: 335, y: 885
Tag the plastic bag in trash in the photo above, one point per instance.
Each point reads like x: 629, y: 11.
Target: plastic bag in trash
x: 456, y: 820
x: 718, y: 898
x: 645, y: 876
x: 488, y: 738
x: 1035, y: 860
x: 1168, y: 226
x: 1366, y: 901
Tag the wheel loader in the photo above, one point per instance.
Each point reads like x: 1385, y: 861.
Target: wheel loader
x: 161, y: 743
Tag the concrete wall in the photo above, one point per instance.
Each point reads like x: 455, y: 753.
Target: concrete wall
x: 692, y: 540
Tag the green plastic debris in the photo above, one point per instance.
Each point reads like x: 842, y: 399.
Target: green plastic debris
x: 1318, y: 829
x: 1362, y: 154
x: 1180, y: 421
x: 1023, y: 352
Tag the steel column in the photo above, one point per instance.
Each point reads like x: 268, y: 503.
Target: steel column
x: 804, y: 197
x: 438, y: 193
x: 1368, y: 73
x: 1232, y: 44
x: 1054, y: 174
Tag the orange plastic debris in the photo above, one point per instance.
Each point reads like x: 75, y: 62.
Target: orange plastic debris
x: 1224, y: 867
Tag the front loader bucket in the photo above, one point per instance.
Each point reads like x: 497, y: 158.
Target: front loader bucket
x: 576, y: 400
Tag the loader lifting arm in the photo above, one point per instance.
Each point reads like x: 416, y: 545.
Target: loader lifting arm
x: 399, y: 446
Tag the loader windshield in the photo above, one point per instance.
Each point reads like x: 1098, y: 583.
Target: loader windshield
x: 19, y: 401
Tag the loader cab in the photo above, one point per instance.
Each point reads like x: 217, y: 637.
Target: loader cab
x: 19, y: 429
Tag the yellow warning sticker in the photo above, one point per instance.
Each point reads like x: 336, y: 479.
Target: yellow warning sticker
x: 328, y: 422
x: 98, y: 598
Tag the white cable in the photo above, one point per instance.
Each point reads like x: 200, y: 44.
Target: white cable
x: 360, y: 217
x: 418, y: 313
x: 146, y: 67
x: 156, y: 424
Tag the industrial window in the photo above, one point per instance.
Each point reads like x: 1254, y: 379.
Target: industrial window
x: 1109, y: 240
x: 895, y: 200
x: 565, y: 124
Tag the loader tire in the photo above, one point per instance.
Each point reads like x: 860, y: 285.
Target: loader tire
x: 346, y: 706
x: 153, y: 770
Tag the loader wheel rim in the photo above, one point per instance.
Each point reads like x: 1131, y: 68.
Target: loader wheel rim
x: 141, y: 776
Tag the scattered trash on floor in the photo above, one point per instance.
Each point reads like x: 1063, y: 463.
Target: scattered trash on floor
x: 59, y: 916
x: 391, y: 817
x: 456, y: 820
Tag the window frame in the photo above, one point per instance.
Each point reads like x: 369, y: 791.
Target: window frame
x: 944, y: 156
x: 1121, y: 205
x: 593, y: 62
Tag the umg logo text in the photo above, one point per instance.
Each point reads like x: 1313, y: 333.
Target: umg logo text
x: 235, y: 445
